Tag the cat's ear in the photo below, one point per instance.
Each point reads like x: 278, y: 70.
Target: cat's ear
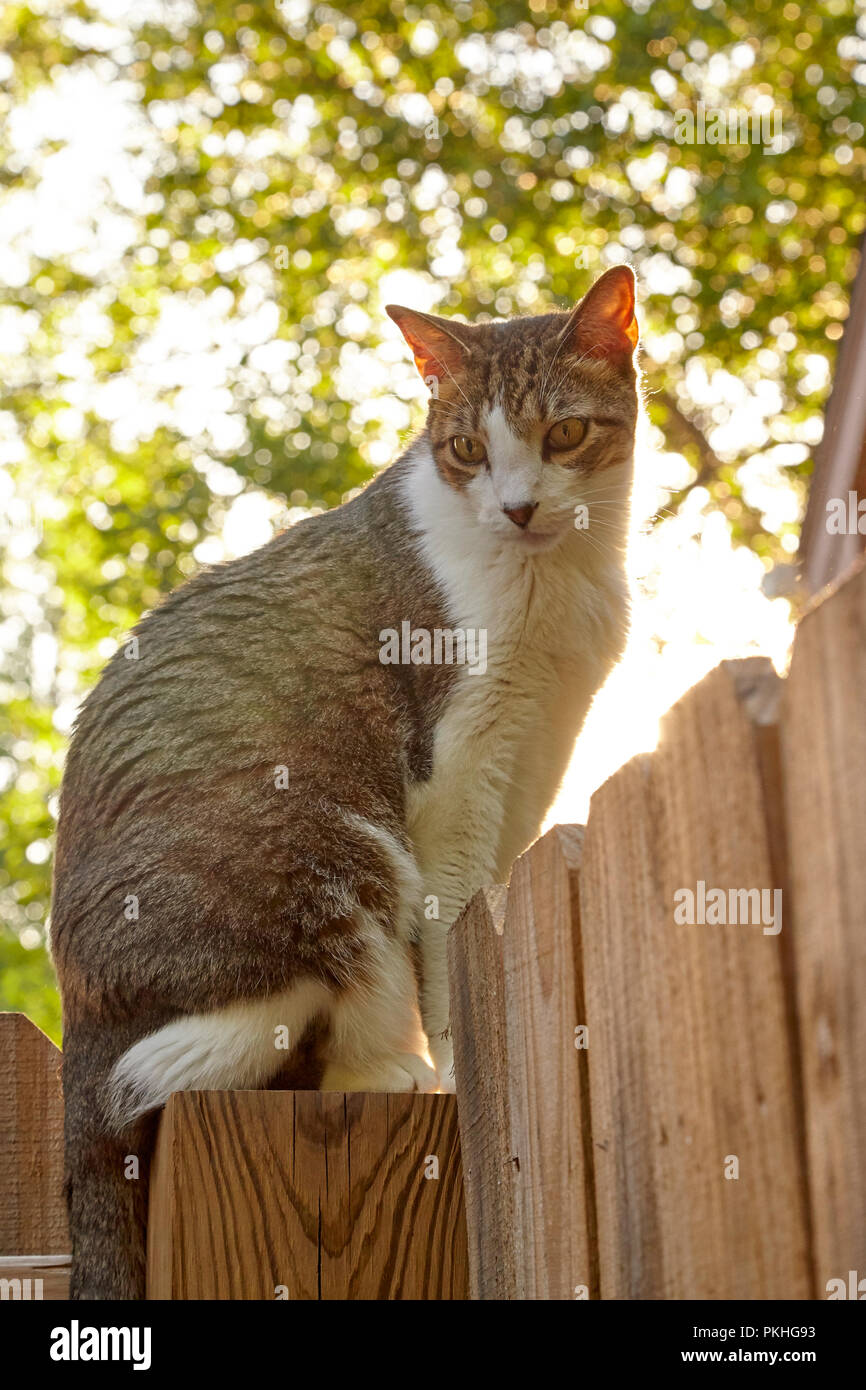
x: 604, y: 323
x: 440, y: 347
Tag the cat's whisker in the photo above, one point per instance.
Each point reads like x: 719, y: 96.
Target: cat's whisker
x: 457, y: 384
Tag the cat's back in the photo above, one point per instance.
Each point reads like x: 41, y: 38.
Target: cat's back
x: 230, y: 642
x: 196, y: 772
x: 268, y: 662
x: 212, y: 660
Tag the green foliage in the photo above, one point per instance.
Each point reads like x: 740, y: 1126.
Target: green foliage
x: 279, y: 160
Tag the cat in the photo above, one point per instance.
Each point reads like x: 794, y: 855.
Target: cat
x: 269, y: 820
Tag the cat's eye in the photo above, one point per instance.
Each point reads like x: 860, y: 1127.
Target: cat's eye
x: 467, y: 449
x: 566, y: 433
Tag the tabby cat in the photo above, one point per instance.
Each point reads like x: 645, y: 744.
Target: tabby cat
x: 277, y: 798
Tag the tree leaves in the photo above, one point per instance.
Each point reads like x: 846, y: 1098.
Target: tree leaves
x: 251, y: 173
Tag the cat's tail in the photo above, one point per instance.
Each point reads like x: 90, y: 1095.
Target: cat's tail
x: 107, y: 1176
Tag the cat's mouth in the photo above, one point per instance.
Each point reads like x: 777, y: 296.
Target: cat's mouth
x: 538, y: 539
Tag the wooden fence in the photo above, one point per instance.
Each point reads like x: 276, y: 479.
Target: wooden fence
x: 651, y: 1103
x: 34, y: 1241
x: 660, y: 1108
x: 254, y: 1194
x: 307, y: 1195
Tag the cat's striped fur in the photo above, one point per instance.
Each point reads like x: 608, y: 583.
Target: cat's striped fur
x: 218, y: 922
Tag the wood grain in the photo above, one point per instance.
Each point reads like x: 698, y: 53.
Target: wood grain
x: 690, y: 1057
x: 32, y: 1206
x: 549, y: 1126
x: 516, y: 1002
x: 481, y: 1068
x: 39, y: 1277
x: 824, y: 761
x: 318, y: 1194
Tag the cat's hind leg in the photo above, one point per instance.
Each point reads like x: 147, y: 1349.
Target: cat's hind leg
x: 375, y: 1040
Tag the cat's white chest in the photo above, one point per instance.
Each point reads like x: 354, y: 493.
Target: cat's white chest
x: 500, y: 750
x: 505, y: 736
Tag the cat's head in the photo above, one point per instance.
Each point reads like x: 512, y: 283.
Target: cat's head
x: 534, y: 417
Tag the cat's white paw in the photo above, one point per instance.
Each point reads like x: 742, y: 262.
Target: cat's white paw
x: 442, y: 1056
x: 425, y: 1077
x: 402, y: 1072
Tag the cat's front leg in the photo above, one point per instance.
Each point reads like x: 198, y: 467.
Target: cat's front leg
x: 446, y: 896
x: 435, y: 1001
x: 455, y: 830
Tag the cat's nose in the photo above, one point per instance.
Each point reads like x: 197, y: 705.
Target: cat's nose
x: 522, y: 514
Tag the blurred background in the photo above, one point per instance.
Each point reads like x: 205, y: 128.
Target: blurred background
x: 204, y: 209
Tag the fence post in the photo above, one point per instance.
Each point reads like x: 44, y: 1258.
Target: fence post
x: 307, y: 1195
x: 515, y: 1029
x: 34, y: 1241
x: 627, y: 1065
x: 699, y: 1163
x: 824, y: 761
x: 481, y: 1064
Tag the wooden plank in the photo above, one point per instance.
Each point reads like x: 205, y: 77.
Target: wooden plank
x: 824, y: 759
x: 522, y: 1082
x: 760, y: 692
x: 690, y: 1056
x: 32, y: 1278
x: 32, y: 1206
x: 549, y: 1131
x: 307, y: 1195
x: 481, y: 1069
